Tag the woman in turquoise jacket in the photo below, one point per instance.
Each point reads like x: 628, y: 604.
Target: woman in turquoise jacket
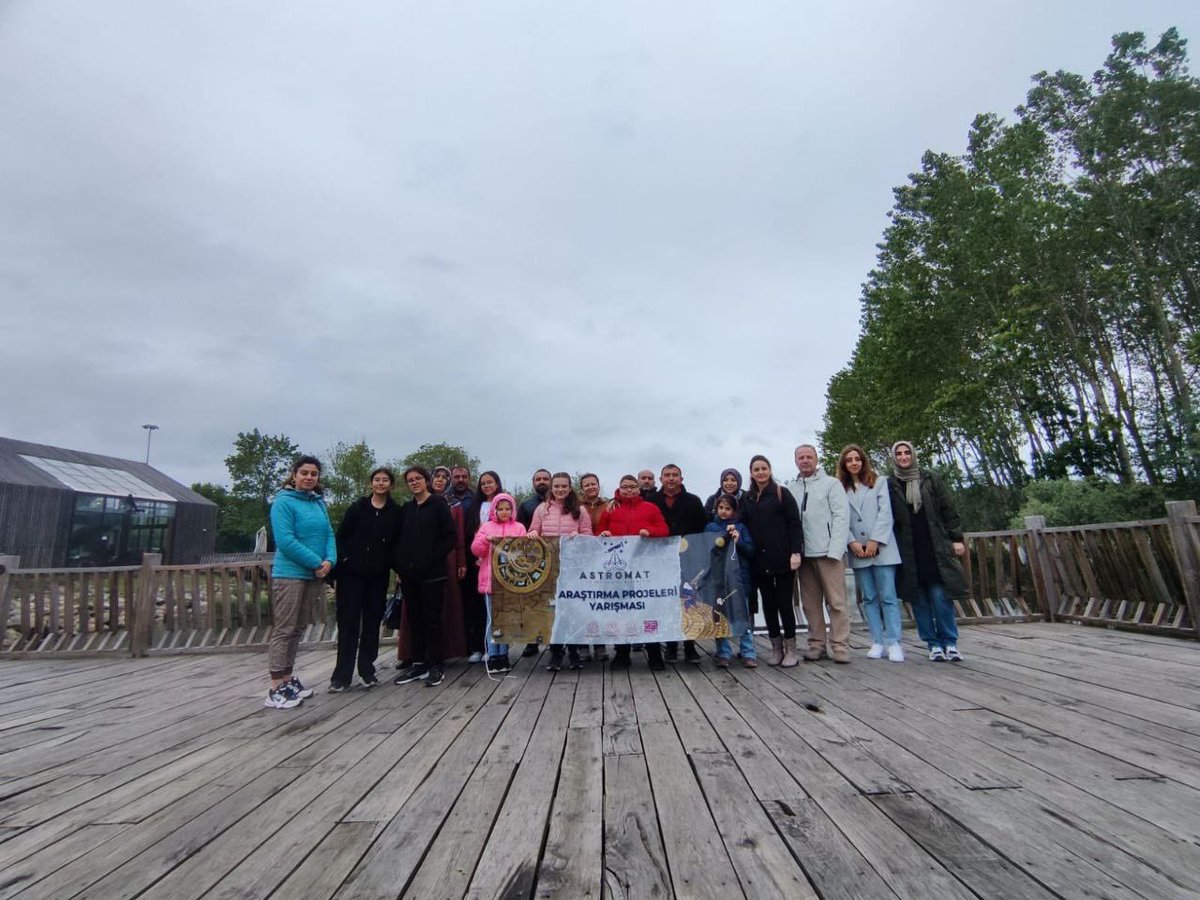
x: 305, y: 550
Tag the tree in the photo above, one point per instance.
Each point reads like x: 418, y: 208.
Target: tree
x: 430, y: 456
x: 345, y: 476
x: 237, y: 519
x: 258, y: 467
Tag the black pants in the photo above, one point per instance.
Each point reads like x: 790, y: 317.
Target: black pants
x: 776, y: 593
x: 360, y: 603
x: 474, y: 611
x: 424, y: 602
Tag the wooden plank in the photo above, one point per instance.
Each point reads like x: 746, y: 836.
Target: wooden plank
x: 635, y: 862
x: 573, y: 858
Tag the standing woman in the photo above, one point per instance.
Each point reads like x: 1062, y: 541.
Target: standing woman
x: 365, y: 543
x: 426, y: 538
x: 929, y: 535
x: 731, y: 486
x: 561, y: 516
x: 773, y: 520
x: 874, y: 555
x: 304, y: 553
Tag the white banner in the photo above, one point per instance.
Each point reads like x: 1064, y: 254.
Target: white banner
x: 617, y: 590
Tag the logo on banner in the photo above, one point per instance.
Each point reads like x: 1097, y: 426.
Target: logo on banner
x: 616, y: 558
x: 521, y: 564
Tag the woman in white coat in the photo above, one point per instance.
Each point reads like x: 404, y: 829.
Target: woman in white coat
x: 874, y: 555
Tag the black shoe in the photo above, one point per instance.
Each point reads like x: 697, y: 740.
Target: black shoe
x: 689, y: 652
x: 555, y: 660
x: 336, y: 687
x: 654, y: 656
x: 369, y: 681
x: 434, y: 678
x: 498, y: 664
x: 415, y: 673
x: 620, y: 659
x: 672, y: 651
x: 530, y: 650
x: 573, y: 660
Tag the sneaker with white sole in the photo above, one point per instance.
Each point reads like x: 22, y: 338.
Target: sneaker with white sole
x: 952, y: 653
x: 369, y: 681
x: 937, y: 654
x: 475, y: 657
x: 434, y: 678
x: 895, y: 653
x: 283, y: 697
x: 336, y: 687
x: 415, y: 673
x: 876, y: 652
x: 301, y: 691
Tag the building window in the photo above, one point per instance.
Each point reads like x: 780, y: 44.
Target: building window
x: 116, y: 531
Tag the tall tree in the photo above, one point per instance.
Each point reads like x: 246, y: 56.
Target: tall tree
x: 347, y: 470
x: 258, y: 466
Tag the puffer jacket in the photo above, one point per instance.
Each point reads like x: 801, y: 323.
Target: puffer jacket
x: 551, y: 521
x: 481, y: 546
x: 626, y: 518
x: 303, y: 536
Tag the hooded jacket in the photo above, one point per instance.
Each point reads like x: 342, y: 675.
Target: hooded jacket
x: 426, y: 537
x: 481, y: 544
x: 625, y: 518
x: 366, y: 539
x: 303, y: 536
x: 550, y: 520
x: 824, y: 514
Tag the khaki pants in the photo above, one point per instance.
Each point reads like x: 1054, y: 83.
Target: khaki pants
x: 292, y: 600
x: 823, y: 584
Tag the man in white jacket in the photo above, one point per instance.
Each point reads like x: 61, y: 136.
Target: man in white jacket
x: 825, y: 515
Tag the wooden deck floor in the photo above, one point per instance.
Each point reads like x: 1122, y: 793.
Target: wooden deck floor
x: 1057, y: 761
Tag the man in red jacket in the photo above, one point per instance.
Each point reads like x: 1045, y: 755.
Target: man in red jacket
x: 630, y: 515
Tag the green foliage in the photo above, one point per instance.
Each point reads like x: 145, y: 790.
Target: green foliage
x: 237, y: 519
x: 257, y: 468
x: 1088, y: 501
x: 431, y: 456
x: 346, y: 476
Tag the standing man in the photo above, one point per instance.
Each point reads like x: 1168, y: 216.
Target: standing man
x: 646, y: 486
x: 684, y: 514
x: 541, y: 490
x: 460, y: 489
x: 825, y: 517
x: 474, y: 612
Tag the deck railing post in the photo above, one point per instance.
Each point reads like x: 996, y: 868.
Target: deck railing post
x: 1186, y: 554
x: 1043, y: 570
x: 7, y: 564
x: 141, y: 605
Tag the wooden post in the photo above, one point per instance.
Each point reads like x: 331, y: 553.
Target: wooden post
x: 140, y: 614
x: 1187, y: 555
x: 7, y: 564
x: 1043, y: 572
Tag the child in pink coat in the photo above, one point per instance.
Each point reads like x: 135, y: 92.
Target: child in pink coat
x: 501, y: 523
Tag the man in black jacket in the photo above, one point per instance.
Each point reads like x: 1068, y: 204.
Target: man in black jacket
x: 684, y: 513
x: 541, y: 490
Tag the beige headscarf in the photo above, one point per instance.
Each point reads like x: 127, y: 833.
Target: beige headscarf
x: 910, y: 475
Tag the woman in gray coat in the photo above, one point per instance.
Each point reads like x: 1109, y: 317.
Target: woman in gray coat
x: 929, y: 535
x: 874, y: 555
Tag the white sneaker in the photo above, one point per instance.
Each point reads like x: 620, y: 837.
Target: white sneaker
x: 283, y: 697
x: 896, y: 653
x: 475, y: 657
x: 952, y: 653
x: 937, y: 654
x: 876, y: 652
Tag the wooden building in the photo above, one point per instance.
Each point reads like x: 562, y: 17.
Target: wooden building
x: 62, y: 508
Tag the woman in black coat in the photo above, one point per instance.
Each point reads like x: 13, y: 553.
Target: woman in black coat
x: 930, y: 539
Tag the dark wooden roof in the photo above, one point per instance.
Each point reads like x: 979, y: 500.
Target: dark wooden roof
x: 15, y: 470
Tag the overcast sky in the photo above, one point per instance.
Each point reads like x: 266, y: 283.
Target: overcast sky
x: 586, y: 236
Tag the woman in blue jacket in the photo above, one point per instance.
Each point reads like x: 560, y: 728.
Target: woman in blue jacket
x: 304, y: 553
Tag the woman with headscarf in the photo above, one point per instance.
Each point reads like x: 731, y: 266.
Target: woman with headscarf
x: 731, y: 485
x: 930, y: 538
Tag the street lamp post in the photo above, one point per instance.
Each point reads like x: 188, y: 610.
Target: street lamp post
x: 150, y: 429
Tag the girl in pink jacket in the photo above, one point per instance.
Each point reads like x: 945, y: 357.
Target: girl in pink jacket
x: 561, y: 516
x: 501, y: 523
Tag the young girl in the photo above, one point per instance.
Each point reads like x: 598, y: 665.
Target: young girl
x: 727, y: 509
x: 561, y: 516
x: 501, y: 523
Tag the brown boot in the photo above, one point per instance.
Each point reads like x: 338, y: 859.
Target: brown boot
x: 776, y: 656
x: 813, y: 653
x: 841, y: 655
x: 789, y: 654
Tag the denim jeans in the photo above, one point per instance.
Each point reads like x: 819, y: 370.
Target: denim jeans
x: 745, y: 646
x: 493, y: 649
x: 880, y: 603
x: 934, y: 613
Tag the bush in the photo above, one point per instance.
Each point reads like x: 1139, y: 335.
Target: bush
x: 1089, y: 501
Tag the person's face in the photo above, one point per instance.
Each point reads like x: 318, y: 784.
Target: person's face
x: 590, y: 488
x: 646, y: 479
x: 724, y: 511
x: 439, y: 482
x: 806, y: 461
x: 760, y: 471
x: 852, y: 463
x: 729, y: 484
x: 672, y: 478
x: 541, y: 483
x: 503, y: 511
x: 629, y: 490
x: 487, y: 484
x: 903, y: 456
x: 460, y: 478
x: 559, y: 488
x: 381, y: 483
x: 306, y: 477
x: 417, y: 484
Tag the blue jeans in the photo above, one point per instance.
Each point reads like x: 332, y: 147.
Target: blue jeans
x: 934, y: 613
x: 745, y: 646
x: 492, y: 649
x: 880, y: 603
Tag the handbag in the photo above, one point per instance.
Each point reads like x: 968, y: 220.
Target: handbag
x: 393, y: 610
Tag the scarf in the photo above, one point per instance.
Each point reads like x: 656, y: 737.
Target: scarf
x: 911, y: 476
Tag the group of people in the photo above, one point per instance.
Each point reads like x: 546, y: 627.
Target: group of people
x: 900, y: 533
